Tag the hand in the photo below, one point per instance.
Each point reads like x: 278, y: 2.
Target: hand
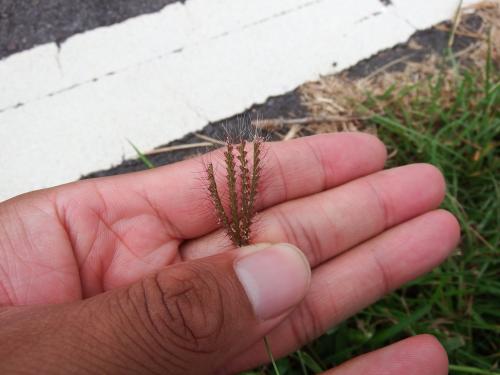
x: 131, y: 274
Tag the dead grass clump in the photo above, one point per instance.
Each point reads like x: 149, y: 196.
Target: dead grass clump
x: 335, y: 101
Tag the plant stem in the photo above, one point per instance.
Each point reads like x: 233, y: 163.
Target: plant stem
x: 302, y: 364
x: 471, y: 370
x: 141, y: 156
x: 271, y: 357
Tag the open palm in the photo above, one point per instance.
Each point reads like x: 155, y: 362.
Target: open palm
x: 364, y: 230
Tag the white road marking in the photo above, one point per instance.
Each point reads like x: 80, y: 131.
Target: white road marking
x: 156, y: 77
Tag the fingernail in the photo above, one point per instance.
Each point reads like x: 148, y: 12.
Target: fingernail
x: 275, y: 278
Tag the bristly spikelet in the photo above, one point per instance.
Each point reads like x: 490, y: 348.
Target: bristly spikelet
x: 217, y: 202
x: 256, y: 170
x: 242, y: 189
x: 246, y: 212
x: 233, y: 193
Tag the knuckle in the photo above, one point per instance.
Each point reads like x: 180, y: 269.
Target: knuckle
x: 305, y: 324
x: 184, y: 306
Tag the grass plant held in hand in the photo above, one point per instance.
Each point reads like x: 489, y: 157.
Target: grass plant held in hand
x: 242, y: 182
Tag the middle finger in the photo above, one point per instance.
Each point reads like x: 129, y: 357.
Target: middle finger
x: 328, y: 223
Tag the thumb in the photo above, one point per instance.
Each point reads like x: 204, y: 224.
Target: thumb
x: 190, y: 318
x: 195, y: 316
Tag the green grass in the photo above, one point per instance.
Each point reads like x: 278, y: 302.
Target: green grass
x: 460, y: 136
x: 453, y: 122
x: 145, y: 160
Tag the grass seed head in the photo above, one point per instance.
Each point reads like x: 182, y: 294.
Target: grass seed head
x: 242, y: 183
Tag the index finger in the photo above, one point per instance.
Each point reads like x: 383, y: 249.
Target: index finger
x: 292, y: 169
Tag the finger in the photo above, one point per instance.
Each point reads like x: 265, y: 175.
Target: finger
x: 330, y: 222
x: 191, y: 318
x: 291, y: 169
x: 358, y: 278
x: 414, y: 356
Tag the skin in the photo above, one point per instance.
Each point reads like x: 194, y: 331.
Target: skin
x: 67, y: 254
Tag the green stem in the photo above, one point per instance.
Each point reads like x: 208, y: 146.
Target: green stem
x: 472, y: 370
x: 302, y: 363
x: 141, y: 156
x: 271, y: 357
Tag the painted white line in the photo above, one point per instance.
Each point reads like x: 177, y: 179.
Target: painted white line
x: 172, y: 72
x: 139, y: 40
x: 423, y: 14
x: 88, y: 130
x: 28, y: 75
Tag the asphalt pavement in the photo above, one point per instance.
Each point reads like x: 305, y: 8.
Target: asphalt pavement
x: 27, y: 23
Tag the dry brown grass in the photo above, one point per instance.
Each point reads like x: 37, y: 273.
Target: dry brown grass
x: 333, y: 101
